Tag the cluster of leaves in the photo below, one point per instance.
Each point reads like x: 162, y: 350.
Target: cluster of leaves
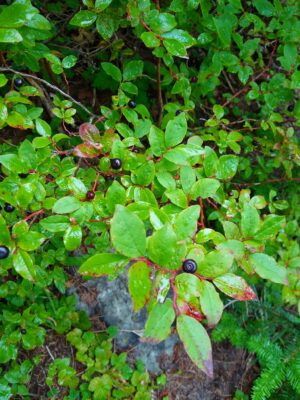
x: 201, y: 165
x: 276, y: 346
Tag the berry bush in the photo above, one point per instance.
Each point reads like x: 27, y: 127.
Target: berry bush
x: 152, y: 138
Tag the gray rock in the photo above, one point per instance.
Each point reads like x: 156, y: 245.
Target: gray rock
x: 114, y: 305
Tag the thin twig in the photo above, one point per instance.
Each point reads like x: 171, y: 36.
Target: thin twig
x: 53, y: 87
x: 49, y: 352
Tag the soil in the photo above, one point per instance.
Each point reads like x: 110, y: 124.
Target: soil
x: 233, y: 368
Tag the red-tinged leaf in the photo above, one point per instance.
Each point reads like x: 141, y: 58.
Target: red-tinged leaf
x: 158, y: 325
x: 196, y: 343
x: 89, y: 133
x: 86, y: 150
x: 139, y: 284
x: 235, y: 287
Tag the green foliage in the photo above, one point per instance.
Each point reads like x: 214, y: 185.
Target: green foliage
x: 186, y: 149
x: 272, y: 334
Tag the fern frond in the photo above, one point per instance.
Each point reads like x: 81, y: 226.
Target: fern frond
x: 269, y: 381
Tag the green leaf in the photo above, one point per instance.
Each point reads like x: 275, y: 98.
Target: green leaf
x: 13, y: 16
x: 139, y: 284
x: 12, y: 163
x: 205, y: 187
x: 42, y: 127
x: 4, y: 232
x: 69, y: 61
x: 66, y: 205
x: 115, y: 194
x: 227, y: 167
x: 3, y: 82
x: 175, y: 48
x: 101, y: 5
x: 162, y: 22
x: 157, y: 141
x: 196, y: 343
x: 102, y: 264
x: 77, y: 187
x: 250, y: 220
x: 234, y: 286
x: 158, y: 325
x: 266, y: 267
x: 112, y: 71
x: 181, y: 36
x: 270, y: 227
x: 23, y: 265
x: 216, y: 263
x: 31, y: 241
x: 72, y: 237
x: 55, y: 223
x: 264, y: 7
x: 128, y: 233
x: 188, y: 286
x: 162, y: 246
x: 133, y: 70
x: 145, y: 173
x: 150, y: 39
x: 10, y: 36
x: 211, y: 303
x: 186, y: 222
x: 83, y: 18
x: 176, y: 130
x: 177, y: 197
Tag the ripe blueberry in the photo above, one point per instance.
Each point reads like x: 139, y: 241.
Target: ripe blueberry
x: 115, y: 163
x: 135, y: 150
x: 8, y: 208
x: 4, y: 252
x: 189, y: 266
x: 131, y: 104
x: 23, y: 176
x: 90, y: 195
x: 18, y: 82
x: 291, y: 107
x: 194, y: 79
x: 231, y: 193
x: 178, y: 112
x: 23, y: 331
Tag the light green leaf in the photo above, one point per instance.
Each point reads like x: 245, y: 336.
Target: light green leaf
x: 158, y: 325
x: 128, y: 233
x: 150, y: 39
x: 23, y: 265
x: 196, y: 343
x: 227, y: 167
x: 234, y: 286
x: 112, y: 71
x: 250, y: 220
x: 177, y: 197
x: 139, y: 284
x: 266, y: 267
x: 115, y: 194
x: 216, y: 262
x: 102, y: 264
x: 83, y: 18
x: 211, y: 304
x: 72, y: 237
x: 186, y: 222
x: 42, y: 127
x: 31, y: 241
x: 162, y: 246
x: 205, y: 187
x: 176, y: 130
x: 55, y: 223
x: 66, y: 205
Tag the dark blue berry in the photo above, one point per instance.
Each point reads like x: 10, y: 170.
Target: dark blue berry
x: 116, y: 163
x: 4, y: 252
x: 131, y: 104
x: 9, y: 208
x: 189, y: 266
